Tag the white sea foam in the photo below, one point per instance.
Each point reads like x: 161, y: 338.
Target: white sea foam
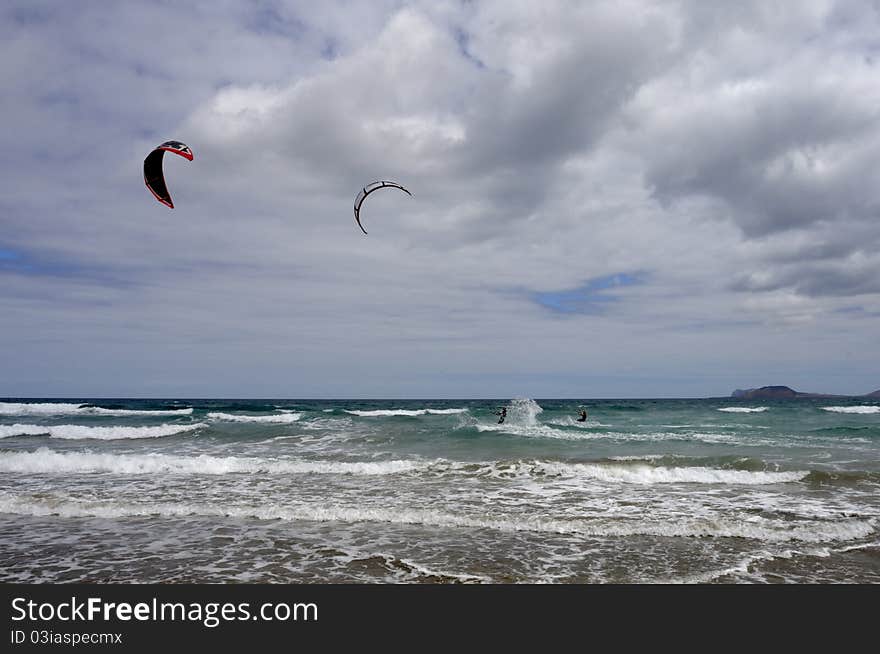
x: 60, y: 408
x: 402, y: 412
x: 422, y: 570
x: 762, y: 530
x: 6, y: 431
x: 860, y: 546
x: 743, y: 567
x: 739, y: 568
x: 628, y: 471
x: 44, y: 460
x: 642, y: 457
x: 282, y: 418
x: 540, y: 430
x: 100, y: 433
x: 522, y: 420
x: 136, y: 412
x: 703, y: 437
x: 852, y: 409
x: 568, y: 421
x: 743, y: 409
x: 47, y: 461
x: 645, y: 474
x: 28, y: 409
x: 536, y: 431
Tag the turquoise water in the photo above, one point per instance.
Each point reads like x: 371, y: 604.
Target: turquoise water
x: 436, y: 491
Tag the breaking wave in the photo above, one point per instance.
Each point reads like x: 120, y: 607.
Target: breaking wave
x: 852, y: 409
x: 635, y: 472
x: 541, y: 430
x: 77, y: 432
x: 60, y: 409
x: 45, y: 460
x: 282, y: 418
x: 402, y: 412
x: 768, y: 530
x: 743, y: 409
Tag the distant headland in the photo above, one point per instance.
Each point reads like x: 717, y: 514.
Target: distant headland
x: 784, y: 392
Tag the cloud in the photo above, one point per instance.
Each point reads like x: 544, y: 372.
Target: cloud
x: 709, y: 170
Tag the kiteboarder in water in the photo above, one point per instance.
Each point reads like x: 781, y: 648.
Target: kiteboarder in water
x: 502, y: 413
x: 583, y: 417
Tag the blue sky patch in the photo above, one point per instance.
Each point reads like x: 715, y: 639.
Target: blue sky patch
x: 589, y: 299
x: 463, y: 41
x: 267, y: 19
x: 46, y: 265
x: 329, y: 51
x: 29, y: 16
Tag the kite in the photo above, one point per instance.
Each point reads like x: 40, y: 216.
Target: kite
x: 154, y: 178
x: 369, y: 188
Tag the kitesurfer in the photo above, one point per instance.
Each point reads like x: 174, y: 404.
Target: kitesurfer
x: 502, y: 413
x: 583, y: 417
x: 154, y: 177
x: 365, y: 191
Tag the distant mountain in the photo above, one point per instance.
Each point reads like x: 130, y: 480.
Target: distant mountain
x: 784, y: 392
x: 765, y: 393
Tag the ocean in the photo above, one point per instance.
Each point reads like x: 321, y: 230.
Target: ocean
x: 694, y: 491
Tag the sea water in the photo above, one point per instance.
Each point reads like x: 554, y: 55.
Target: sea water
x: 437, y: 491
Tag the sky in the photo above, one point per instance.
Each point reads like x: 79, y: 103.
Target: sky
x: 609, y: 199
